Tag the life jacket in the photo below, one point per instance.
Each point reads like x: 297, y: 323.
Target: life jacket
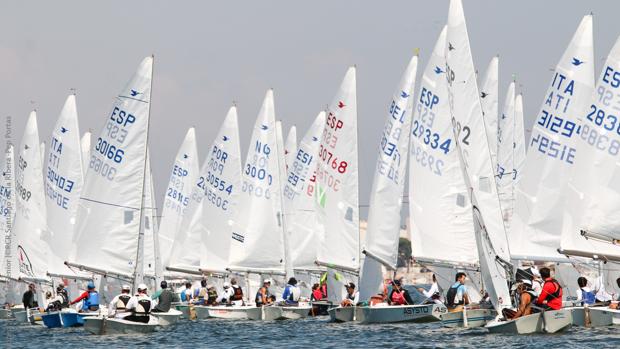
x: 587, y: 297
x: 259, y: 298
x: 317, y: 294
x: 121, y: 302
x: 91, y: 303
x: 398, y: 298
x: 202, y: 293
x: 65, y: 299
x: 451, y: 296
x: 238, y: 293
x: 211, y: 295
x: 143, y: 308
x: 558, y: 290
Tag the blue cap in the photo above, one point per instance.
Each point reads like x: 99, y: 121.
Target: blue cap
x: 91, y: 285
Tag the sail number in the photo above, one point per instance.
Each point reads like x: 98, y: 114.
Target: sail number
x: 329, y: 158
x: 433, y: 139
x: 426, y: 160
x: 552, y: 148
x: 215, y: 182
x: 110, y: 151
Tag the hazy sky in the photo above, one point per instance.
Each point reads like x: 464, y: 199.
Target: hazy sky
x: 209, y: 53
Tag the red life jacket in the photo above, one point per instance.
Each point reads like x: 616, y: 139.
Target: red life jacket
x: 398, y: 298
x: 317, y: 294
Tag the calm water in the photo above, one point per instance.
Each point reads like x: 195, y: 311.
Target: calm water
x: 311, y: 332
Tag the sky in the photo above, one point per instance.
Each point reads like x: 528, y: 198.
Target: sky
x: 211, y: 53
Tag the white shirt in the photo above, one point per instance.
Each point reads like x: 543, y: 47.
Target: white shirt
x: 133, y: 301
x: 112, y: 306
x: 228, y: 293
x: 434, y: 289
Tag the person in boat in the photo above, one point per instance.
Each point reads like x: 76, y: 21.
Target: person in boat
x: 89, y: 299
x: 551, y: 295
x: 291, y: 292
x: 352, y: 298
x: 525, y: 298
x: 164, y: 298
x: 237, y: 293
x: 228, y: 294
x: 201, y: 293
x: 398, y: 295
x: 615, y: 303
x: 585, y: 295
x: 263, y: 296
x: 316, y: 294
x: 140, y: 306
x: 211, y: 295
x: 602, y: 296
x: 186, y: 294
x: 118, y: 305
x: 537, y: 281
x: 28, y: 298
x: 60, y: 301
x: 456, y: 296
x: 433, y: 294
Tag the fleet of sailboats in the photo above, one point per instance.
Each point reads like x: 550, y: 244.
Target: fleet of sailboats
x: 82, y: 208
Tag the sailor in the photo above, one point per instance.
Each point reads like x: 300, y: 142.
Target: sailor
x: 317, y: 294
x: 89, y: 298
x: 164, y: 298
x: 585, y: 295
x: 211, y: 295
x: 537, y: 280
x: 526, y: 297
x: 60, y: 301
x: 398, y: 295
x: 551, y: 294
x: 352, y: 297
x: 186, y: 294
x: 433, y: 294
x: 615, y: 304
x: 228, y: 293
x: 118, y: 305
x: 200, y: 294
x: 456, y: 296
x: 602, y: 296
x: 263, y: 297
x: 237, y: 296
x: 140, y: 306
x: 28, y: 298
x: 291, y: 292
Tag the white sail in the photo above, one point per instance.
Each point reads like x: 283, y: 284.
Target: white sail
x: 505, y: 154
x: 593, y: 195
x: 440, y: 213
x: 30, y: 227
x: 299, y: 189
x: 149, y: 222
x: 290, y: 147
x: 283, y: 218
x: 7, y: 214
x: 540, y: 197
x: 257, y: 239
x: 85, y: 143
x: 216, y: 203
x: 489, y: 98
x: 475, y: 157
x: 176, y: 245
x: 64, y: 179
x: 519, y: 139
x: 337, y: 196
x: 108, y: 224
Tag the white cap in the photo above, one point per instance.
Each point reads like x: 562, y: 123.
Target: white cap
x: 126, y: 288
x: 526, y: 282
x: 142, y: 287
x: 267, y: 281
x: 227, y: 284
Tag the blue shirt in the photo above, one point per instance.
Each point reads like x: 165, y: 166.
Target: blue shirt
x: 460, y: 290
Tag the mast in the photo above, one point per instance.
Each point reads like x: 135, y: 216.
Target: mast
x: 138, y: 274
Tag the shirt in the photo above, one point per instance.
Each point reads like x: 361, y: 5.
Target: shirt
x: 133, y: 301
x: 461, y: 290
x: 549, y: 288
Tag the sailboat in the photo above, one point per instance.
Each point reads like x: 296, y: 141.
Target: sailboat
x: 592, y: 230
x: 442, y: 236
x: 258, y: 225
x: 110, y: 231
x: 381, y: 246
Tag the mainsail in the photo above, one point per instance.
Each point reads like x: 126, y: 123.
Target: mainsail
x: 30, y: 226
x: 505, y: 154
x: 290, y: 147
x: 540, y: 196
x: 64, y: 178
x: 489, y: 98
x: 519, y: 142
x: 108, y: 221
x: 257, y: 238
x: 85, y: 144
x: 475, y: 157
x: 177, y: 246
x: 337, y: 197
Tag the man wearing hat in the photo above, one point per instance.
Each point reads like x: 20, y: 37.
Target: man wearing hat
x: 526, y: 297
x: 291, y: 292
x: 140, y: 306
x: 352, y: 297
x: 263, y: 296
x: 118, y: 305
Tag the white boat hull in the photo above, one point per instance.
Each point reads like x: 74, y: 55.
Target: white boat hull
x: 102, y: 325
x: 475, y: 318
x: 202, y: 312
x: 400, y: 313
x: 5, y: 314
x: 20, y: 315
x: 294, y: 313
x: 615, y: 313
x: 236, y: 313
x: 592, y: 316
x: 168, y: 318
x: 551, y: 321
x: 341, y: 314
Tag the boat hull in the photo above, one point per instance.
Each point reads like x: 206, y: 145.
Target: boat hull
x: 20, y: 315
x: 615, y: 313
x: 168, y: 318
x: 550, y: 321
x: 236, y: 313
x: 400, y: 313
x: 295, y: 313
x: 557, y: 320
x: 101, y: 326
x: 5, y: 314
x: 184, y: 309
x: 52, y: 319
x: 475, y: 318
x: 202, y: 312
x: 341, y: 314
x: 592, y: 316
x: 271, y: 313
